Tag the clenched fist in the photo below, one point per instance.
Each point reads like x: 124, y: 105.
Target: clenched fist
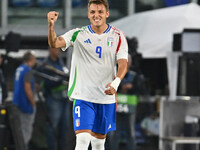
x: 52, y: 16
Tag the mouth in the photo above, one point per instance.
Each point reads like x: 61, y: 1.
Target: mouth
x: 96, y: 20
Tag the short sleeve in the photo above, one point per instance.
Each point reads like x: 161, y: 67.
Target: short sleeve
x: 28, y: 77
x: 70, y: 38
x: 122, y: 49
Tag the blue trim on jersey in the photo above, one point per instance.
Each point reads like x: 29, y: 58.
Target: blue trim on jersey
x: 90, y: 29
x: 108, y: 29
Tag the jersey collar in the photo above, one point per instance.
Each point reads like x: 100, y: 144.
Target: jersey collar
x: 106, y: 31
x: 90, y: 29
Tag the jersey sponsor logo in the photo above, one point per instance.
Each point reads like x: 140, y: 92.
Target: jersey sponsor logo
x: 88, y: 41
x: 109, y: 127
x: 77, y: 122
x: 110, y: 41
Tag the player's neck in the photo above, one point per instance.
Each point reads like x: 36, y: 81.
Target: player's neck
x: 99, y: 30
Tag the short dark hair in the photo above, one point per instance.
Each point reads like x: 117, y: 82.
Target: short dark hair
x: 97, y: 2
x: 28, y: 56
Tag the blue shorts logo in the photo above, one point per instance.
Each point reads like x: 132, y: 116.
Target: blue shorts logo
x: 109, y: 127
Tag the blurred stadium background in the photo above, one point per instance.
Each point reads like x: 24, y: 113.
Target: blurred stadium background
x: 168, y: 86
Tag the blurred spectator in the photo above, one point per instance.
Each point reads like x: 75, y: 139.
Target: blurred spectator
x: 126, y: 86
x: 140, y: 86
x: 133, y: 45
x: 55, y: 94
x: 150, y: 124
x: 23, y: 95
x: 3, y: 87
x: 136, y: 57
x: 134, y: 80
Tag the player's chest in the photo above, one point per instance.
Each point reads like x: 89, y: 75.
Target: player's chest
x: 104, y: 44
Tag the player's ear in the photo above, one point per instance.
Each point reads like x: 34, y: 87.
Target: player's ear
x: 107, y: 14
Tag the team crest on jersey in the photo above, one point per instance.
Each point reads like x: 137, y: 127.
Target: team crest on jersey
x: 77, y: 122
x: 110, y: 41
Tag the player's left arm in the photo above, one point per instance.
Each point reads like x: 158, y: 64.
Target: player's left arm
x: 122, y: 57
x: 122, y: 70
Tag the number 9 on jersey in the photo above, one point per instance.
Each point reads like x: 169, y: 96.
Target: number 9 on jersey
x: 99, y: 50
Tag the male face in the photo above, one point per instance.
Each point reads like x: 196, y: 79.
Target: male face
x: 32, y: 61
x: 97, y: 15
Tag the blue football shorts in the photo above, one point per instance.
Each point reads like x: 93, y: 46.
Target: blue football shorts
x: 99, y: 118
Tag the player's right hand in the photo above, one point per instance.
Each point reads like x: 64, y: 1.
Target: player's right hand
x: 52, y: 17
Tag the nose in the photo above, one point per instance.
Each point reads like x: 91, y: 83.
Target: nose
x: 96, y: 14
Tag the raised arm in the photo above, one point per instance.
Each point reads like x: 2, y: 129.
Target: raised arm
x: 53, y: 40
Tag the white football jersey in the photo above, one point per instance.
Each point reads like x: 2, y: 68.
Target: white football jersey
x: 94, y: 61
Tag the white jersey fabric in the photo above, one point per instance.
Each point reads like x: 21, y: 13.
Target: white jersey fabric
x: 94, y: 60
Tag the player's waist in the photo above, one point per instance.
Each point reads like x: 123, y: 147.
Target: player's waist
x: 98, y: 100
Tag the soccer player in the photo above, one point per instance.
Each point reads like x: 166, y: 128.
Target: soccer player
x: 94, y: 79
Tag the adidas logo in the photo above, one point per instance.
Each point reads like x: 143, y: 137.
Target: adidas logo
x: 109, y: 126
x: 88, y: 41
